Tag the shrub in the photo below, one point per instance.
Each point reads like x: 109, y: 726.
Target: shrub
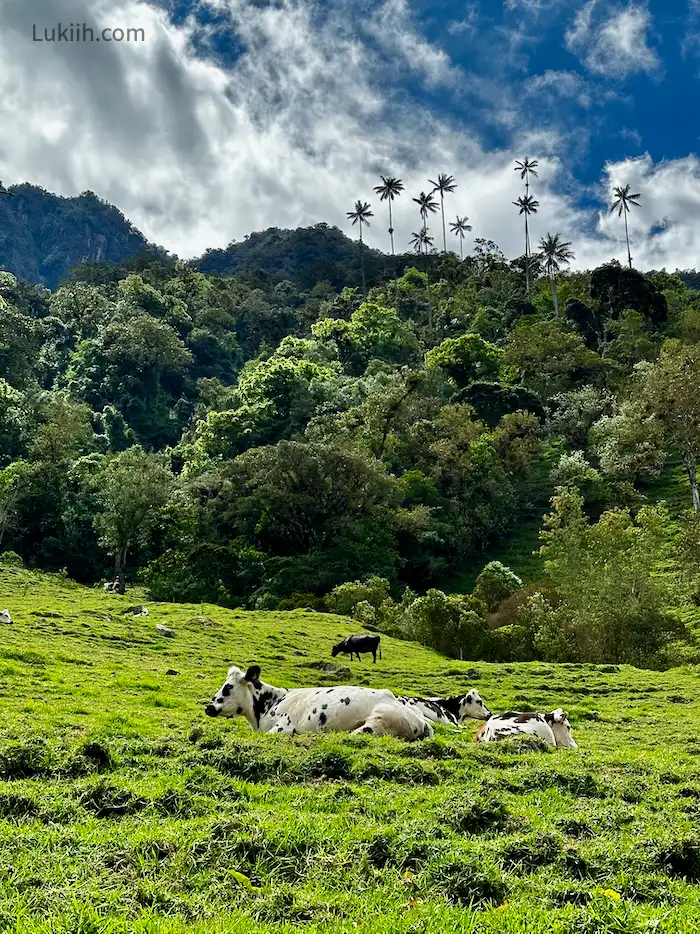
x: 495, y: 584
x: 447, y: 624
x: 345, y: 597
x: 10, y: 559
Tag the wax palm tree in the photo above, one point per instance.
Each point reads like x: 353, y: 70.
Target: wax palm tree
x: 389, y: 189
x: 359, y: 215
x: 427, y: 205
x: 421, y: 240
x: 556, y: 253
x: 459, y: 228
x: 527, y: 206
x: 622, y: 204
x: 445, y: 184
x: 527, y: 168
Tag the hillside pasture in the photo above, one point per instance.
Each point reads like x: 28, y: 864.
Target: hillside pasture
x: 124, y: 809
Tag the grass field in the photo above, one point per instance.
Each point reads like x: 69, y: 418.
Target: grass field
x: 124, y: 809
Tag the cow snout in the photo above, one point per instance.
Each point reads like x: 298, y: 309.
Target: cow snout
x: 211, y: 711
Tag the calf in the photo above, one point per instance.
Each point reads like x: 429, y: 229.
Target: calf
x: 311, y: 710
x: 353, y: 645
x: 552, y: 728
x: 452, y: 710
x: 5, y: 617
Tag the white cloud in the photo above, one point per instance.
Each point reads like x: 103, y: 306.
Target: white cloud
x: 563, y: 84
x: 617, y: 47
x: 392, y: 25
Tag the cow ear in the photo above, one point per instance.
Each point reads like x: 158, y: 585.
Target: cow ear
x: 559, y: 715
x: 253, y: 673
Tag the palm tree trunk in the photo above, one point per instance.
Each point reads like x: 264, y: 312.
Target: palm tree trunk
x: 555, y: 294
x: 362, y: 263
x: 627, y: 235
x: 444, y: 235
x: 461, y: 248
x: 119, y: 562
x: 391, y: 228
x: 527, y: 256
x: 691, y: 470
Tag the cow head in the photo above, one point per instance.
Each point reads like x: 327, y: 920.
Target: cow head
x: 5, y: 617
x: 237, y: 694
x: 471, y: 705
x: 559, y: 722
x: 337, y: 648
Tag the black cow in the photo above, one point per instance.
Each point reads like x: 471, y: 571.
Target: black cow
x: 353, y: 645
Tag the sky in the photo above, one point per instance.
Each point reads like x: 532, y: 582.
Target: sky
x: 232, y: 116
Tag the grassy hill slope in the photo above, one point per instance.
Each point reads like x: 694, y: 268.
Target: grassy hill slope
x: 123, y: 809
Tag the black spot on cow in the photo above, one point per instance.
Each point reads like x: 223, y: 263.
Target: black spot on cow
x: 239, y: 710
x: 324, y: 706
x: 314, y: 710
x: 261, y: 704
x: 519, y: 717
x: 322, y: 719
x: 345, y: 700
x: 226, y: 690
x: 367, y: 729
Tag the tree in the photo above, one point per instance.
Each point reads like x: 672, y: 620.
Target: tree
x: 421, y: 239
x: 459, y: 228
x: 445, y: 184
x: 389, y: 189
x: 427, y: 205
x: 465, y: 358
x: 613, y: 605
x: 622, y: 203
x: 12, y: 481
x: 360, y: 215
x: 132, y: 489
x: 528, y: 205
x: 555, y: 253
x: 668, y: 391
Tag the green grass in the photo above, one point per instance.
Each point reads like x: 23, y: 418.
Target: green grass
x: 124, y: 809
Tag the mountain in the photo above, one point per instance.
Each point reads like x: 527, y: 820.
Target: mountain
x: 305, y: 256
x: 42, y: 235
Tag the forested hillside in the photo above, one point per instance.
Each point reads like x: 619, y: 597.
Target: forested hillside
x: 42, y: 235
x: 273, y: 442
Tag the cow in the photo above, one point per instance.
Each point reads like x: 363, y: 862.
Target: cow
x: 5, y: 617
x: 552, y: 728
x: 311, y: 710
x: 353, y: 645
x: 451, y: 710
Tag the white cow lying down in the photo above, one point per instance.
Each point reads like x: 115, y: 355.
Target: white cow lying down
x: 553, y: 728
x: 307, y: 710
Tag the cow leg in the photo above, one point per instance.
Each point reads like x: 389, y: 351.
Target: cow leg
x: 358, y: 656
x: 374, y: 657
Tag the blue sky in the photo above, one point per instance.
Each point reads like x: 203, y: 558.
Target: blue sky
x: 236, y: 115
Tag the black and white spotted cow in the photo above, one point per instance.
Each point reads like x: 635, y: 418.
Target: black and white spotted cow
x: 353, y: 645
x: 552, y: 728
x: 451, y: 710
x: 5, y: 617
x: 310, y: 710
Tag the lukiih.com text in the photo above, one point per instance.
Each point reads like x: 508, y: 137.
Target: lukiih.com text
x: 81, y: 32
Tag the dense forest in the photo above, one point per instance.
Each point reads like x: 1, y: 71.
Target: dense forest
x: 253, y: 430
